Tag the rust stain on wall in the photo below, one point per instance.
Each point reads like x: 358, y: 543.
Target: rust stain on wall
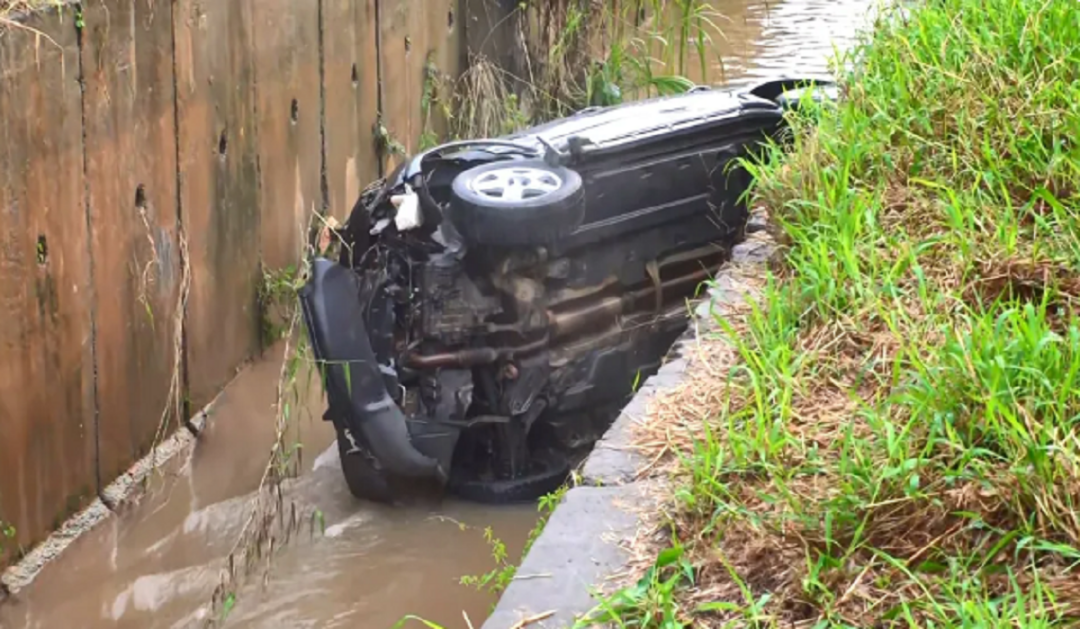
x: 352, y: 102
x: 218, y: 187
x: 286, y: 57
x: 131, y: 179
x: 46, y: 362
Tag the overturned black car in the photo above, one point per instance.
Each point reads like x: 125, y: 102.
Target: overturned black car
x: 495, y: 301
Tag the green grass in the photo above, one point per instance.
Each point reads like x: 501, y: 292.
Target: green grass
x: 897, y: 443
x: 584, y: 53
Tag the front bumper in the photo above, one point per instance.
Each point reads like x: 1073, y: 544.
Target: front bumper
x: 355, y: 389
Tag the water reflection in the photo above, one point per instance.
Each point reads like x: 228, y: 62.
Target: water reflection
x: 753, y: 40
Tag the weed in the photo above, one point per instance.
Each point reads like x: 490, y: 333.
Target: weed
x: 485, y: 106
x: 651, y: 601
x: 7, y: 533
x: 387, y: 144
x: 11, y: 10
x: 273, y: 519
x: 895, y: 444
x: 499, y: 577
x: 497, y: 580
x: 176, y: 405
x: 277, y: 298
x: 410, y: 618
x: 434, y: 97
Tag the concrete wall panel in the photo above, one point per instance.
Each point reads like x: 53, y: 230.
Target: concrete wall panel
x: 410, y: 39
x: 47, y: 447
x: 352, y: 100
x: 131, y: 180
x: 286, y: 57
x: 218, y: 187
x: 227, y: 121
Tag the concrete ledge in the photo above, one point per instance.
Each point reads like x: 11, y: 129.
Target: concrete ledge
x: 612, y: 461
x: 577, y: 551
x: 129, y: 485
x: 174, y: 450
x: 579, y: 548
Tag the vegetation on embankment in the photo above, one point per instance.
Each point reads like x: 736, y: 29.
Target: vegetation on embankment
x: 895, y: 443
x: 581, y: 53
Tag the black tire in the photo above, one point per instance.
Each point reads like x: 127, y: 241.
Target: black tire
x: 551, y: 470
x: 362, y: 474
x: 485, y: 219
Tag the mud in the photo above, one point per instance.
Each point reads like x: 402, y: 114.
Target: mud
x: 155, y: 563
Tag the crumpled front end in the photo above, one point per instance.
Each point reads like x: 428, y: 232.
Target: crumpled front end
x: 332, y: 303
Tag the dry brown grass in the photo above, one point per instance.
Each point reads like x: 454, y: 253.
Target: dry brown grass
x: 485, y: 107
x: 761, y: 545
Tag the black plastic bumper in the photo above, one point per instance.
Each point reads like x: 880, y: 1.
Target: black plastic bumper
x: 355, y: 388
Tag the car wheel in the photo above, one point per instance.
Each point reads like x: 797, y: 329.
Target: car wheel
x: 362, y: 474
x: 549, y: 471
x: 517, y: 202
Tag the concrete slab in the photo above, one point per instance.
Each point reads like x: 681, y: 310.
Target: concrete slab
x: 612, y: 461
x: 575, y: 554
x: 758, y: 248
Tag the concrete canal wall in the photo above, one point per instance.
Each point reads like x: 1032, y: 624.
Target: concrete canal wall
x: 157, y: 151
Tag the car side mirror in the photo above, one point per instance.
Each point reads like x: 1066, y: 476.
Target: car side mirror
x: 555, y: 158
x: 552, y: 156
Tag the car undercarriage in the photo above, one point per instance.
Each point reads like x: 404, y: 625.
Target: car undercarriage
x: 494, y: 302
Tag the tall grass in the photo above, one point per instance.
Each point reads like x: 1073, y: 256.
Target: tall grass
x: 896, y: 445
x: 581, y: 53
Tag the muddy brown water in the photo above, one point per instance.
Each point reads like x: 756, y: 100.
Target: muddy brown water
x: 156, y: 564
